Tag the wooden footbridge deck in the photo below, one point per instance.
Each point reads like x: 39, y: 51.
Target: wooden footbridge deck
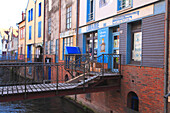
x: 21, y: 92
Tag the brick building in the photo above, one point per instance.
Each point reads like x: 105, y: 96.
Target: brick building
x: 134, y: 29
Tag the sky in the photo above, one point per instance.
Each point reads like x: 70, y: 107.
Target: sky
x: 10, y: 12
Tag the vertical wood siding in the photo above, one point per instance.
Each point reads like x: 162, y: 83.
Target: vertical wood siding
x: 123, y: 38
x: 153, y: 41
x: 80, y: 43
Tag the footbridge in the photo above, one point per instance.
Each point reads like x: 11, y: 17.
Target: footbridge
x: 77, y: 75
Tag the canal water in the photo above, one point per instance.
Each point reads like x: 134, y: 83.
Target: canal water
x: 43, y: 105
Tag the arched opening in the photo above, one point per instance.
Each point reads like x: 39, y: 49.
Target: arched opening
x: 133, y: 101
x: 66, y: 77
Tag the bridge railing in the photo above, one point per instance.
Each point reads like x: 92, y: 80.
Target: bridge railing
x: 105, y: 63
x: 12, y: 57
x: 21, y: 58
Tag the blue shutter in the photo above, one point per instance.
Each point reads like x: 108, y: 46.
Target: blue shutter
x: 129, y: 43
x: 39, y: 29
x: 31, y: 14
x: 63, y: 48
x: 88, y: 10
x: 28, y: 15
x: 30, y: 28
x: 119, y: 2
x: 39, y: 14
x: 56, y: 59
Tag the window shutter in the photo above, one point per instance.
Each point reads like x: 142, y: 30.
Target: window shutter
x: 29, y: 16
x: 88, y: 10
x: 30, y: 28
x: 39, y: 29
x: 119, y: 2
x: 39, y: 9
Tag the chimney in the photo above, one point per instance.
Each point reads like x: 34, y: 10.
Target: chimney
x: 23, y: 15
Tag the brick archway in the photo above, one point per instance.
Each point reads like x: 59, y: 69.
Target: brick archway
x: 133, y: 101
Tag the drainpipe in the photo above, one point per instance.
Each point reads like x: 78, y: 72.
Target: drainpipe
x: 25, y: 46
x: 34, y: 28
x: 166, y: 58
x: 44, y: 37
x: 77, y: 29
x: 59, y: 29
x: 77, y: 22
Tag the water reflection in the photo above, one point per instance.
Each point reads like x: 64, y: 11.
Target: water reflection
x: 44, y: 105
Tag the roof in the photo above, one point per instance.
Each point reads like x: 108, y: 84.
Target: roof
x: 15, y: 33
x: 20, y: 22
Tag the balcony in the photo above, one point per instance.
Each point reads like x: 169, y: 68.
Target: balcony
x: 105, y: 64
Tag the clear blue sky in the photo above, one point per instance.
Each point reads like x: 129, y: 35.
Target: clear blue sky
x: 10, y: 12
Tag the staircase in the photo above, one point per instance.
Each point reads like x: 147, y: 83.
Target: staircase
x: 92, y: 71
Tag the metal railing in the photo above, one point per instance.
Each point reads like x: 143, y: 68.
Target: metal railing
x: 45, y: 74
x: 105, y: 63
x: 90, y: 16
x: 13, y: 57
x: 21, y: 58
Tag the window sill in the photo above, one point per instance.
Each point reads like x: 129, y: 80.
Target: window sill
x: 134, y: 65
x: 124, y: 10
x: 91, y: 21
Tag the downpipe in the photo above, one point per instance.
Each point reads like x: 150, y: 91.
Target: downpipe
x: 166, y: 59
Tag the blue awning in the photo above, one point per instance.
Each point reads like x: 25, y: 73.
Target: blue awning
x: 72, y: 50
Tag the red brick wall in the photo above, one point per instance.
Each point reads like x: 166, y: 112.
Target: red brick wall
x: 148, y: 85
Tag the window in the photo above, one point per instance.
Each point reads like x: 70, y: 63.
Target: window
x: 67, y: 42
x: 90, y: 12
x: 51, y: 46
x: 22, y: 33
x: 103, y: 3
x: 39, y: 29
x: 122, y: 4
x: 57, y: 49
x: 49, y: 26
x: 49, y: 5
x: 31, y: 14
x: 21, y: 50
x: 92, y: 44
x: 39, y: 14
x: 21, y: 30
x: 30, y: 32
x: 46, y: 47
x: 68, y: 17
x: 134, y: 44
x: 5, y: 46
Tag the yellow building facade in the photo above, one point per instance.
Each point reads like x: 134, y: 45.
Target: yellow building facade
x: 21, y: 40
x: 34, y: 28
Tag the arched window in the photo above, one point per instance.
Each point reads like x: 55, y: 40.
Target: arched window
x: 66, y: 77
x: 133, y: 101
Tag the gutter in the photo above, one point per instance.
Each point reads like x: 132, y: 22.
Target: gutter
x: 166, y: 59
